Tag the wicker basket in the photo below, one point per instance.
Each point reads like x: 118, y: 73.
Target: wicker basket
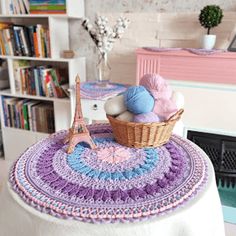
x: 141, y: 135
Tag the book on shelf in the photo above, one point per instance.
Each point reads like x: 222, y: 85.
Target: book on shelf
x: 47, y: 6
x: 20, y: 40
x: 17, y: 7
x: 39, y: 80
x: 28, y: 114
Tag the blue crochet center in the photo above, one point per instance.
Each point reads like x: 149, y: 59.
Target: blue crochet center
x: 92, y: 86
x: 77, y: 164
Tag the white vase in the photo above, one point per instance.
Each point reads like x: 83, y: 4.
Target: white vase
x: 208, y: 41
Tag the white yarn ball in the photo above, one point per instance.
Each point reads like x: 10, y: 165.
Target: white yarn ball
x: 115, y: 106
x: 126, y: 116
x: 178, y: 99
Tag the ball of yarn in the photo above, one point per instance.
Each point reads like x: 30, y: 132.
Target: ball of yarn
x: 138, y: 100
x: 146, y: 118
x: 115, y: 106
x: 165, y: 108
x: 178, y: 99
x: 156, y: 85
x: 126, y: 116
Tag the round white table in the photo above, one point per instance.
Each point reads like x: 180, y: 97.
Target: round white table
x: 200, y: 216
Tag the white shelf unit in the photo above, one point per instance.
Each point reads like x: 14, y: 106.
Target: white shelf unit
x: 15, y: 141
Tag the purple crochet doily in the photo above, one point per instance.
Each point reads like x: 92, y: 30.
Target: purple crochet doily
x: 92, y: 90
x: 112, y: 183
x: 198, y: 51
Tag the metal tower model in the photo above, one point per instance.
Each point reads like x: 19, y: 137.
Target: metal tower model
x: 78, y: 132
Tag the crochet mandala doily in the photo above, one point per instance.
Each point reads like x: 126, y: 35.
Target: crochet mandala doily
x: 112, y: 183
x: 92, y: 90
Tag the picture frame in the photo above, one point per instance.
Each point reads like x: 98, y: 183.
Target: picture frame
x: 232, y: 46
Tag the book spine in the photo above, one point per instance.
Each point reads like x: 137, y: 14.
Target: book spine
x: 10, y: 115
x: 25, y: 114
x: 37, y: 120
x: 23, y: 81
x: 26, y: 5
x: 17, y: 42
x: 36, y: 81
x: 48, y: 43
x: 28, y: 83
x: 13, y: 42
x: 50, y: 118
x: 32, y: 82
x: 30, y: 116
x: 36, y: 48
x: 18, y: 82
x: 9, y: 41
x: 16, y: 7
x: 13, y: 116
x: 3, y: 52
x: 38, y: 30
x: 42, y: 42
x: 5, y: 42
x: 24, y: 42
x: 33, y: 118
x: 21, y: 6
x: 29, y: 41
x: 11, y: 7
x: 21, y: 114
x: 16, y: 118
x: 5, y: 112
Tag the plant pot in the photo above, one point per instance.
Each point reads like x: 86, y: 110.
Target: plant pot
x: 208, y: 41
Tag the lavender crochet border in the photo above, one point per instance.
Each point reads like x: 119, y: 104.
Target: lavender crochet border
x: 187, y: 150
x: 197, y: 51
x: 91, y: 90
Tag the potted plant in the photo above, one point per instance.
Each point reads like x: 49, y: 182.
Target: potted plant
x: 210, y: 16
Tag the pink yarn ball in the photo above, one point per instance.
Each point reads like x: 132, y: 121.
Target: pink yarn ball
x: 165, y: 108
x: 156, y: 85
x: 146, y: 118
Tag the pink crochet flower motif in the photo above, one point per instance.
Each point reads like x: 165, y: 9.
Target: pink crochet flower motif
x: 113, y: 154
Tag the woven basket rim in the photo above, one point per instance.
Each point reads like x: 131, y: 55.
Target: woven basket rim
x: 175, y: 117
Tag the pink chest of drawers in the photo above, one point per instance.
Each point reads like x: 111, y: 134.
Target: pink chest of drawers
x: 186, y: 66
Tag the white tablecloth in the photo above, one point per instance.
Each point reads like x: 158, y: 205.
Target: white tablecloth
x: 201, y: 216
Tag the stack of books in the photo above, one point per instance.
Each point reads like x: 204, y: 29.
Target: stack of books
x: 20, y: 40
x: 47, y: 6
x: 17, y: 6
x: 39, y: 80
x: 28, y: 114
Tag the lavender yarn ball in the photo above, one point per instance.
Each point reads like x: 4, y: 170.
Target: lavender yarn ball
x: 146, y: 118
x: 138, y: 100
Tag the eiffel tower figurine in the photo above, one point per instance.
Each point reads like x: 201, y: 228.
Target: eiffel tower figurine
x: 78, y: 132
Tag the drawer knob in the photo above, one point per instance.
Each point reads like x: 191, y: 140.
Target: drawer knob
x: 95, y: 107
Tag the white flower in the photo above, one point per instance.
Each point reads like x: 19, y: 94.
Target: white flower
x: 89, y: 26
x: 102, y: 34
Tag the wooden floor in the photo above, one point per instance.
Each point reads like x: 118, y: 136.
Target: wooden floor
x: 4, y: 167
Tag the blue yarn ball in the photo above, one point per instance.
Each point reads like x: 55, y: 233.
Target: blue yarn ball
x: 138, y: 100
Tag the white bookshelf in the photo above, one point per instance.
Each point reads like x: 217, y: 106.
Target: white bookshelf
x: 15, y: 141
